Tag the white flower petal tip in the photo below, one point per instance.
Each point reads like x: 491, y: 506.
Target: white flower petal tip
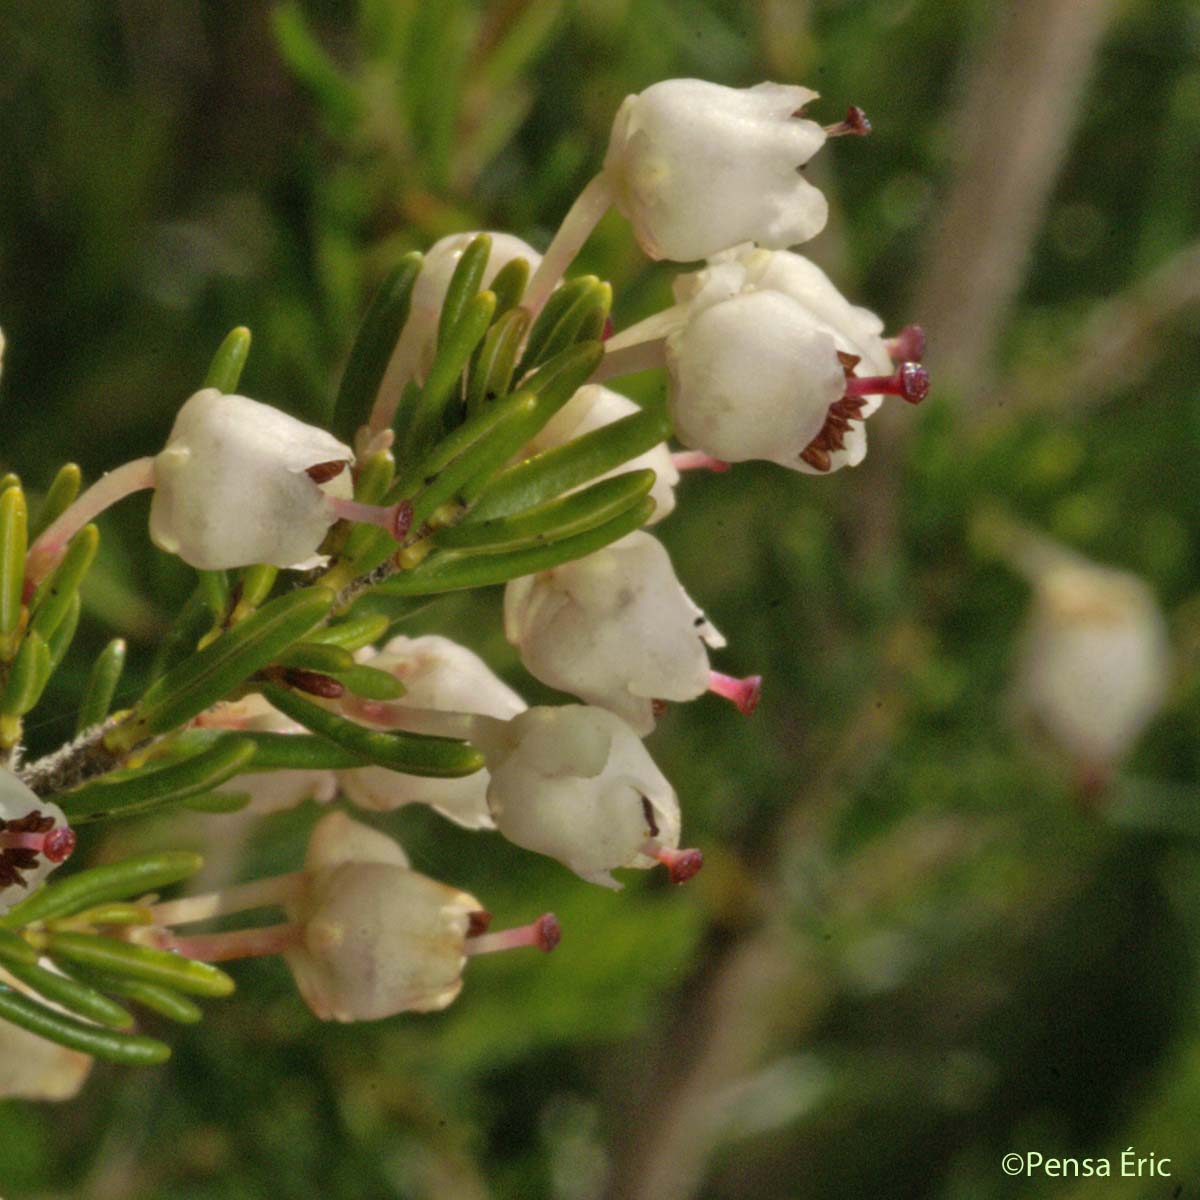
x: 233, y: 485
x: 34, y: 839
x: 767, y: 360
x: 615, y: 629
x: 697, y: 167
x: 575, y: 783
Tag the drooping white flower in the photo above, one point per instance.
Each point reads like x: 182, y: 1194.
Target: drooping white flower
x: 614, y: 628
x: 441, y: 676
x: 269, y: 791
x: 1095, y: 661
x: 32, y: 1068
x: 594, y: 406
x: 34, y: 839
x: 377, y: 937
x: 232, y: 486
x: 576, y: 783
x: 767, y: 360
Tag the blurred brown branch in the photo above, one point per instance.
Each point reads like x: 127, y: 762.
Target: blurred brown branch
x: 1021, y: 103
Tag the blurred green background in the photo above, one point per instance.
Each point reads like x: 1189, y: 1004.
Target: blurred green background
x: 910, y: 951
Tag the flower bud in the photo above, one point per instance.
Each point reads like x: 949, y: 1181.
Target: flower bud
x: 594, y: 406
x: 576, y: 783
x: 442, y: 676
x: 34, y: 839
x: 615, y: 629
x: 232, y: 488
x: 377, y: 938
x: 1094, y: 665
x: 415, y: 350
x: 697, y: 167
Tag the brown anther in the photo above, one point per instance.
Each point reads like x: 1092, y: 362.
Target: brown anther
x: 648, y: 812
x: 658, y: 707
x: 323, y: 472
x: 848, y: 361
x: 478, y: 922
x: 816, y: 458
x: 314, y: 683
x: 855, y: 124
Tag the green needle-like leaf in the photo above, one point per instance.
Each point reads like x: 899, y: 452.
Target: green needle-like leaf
x: 131, y: 1049
x: 140, y: 962
x: 59, y: 497
x: 53, y: 599
x: 450, y: 571
x: 371, y: 683
x: 275, y: 751
x: 98, y: 885
x: 372, y: 350
x: 14, y: 534
x: 131, y: 793
x: 351, y: 635
x: 254, y: 587
x: 553, y: 521
x: 60, y: 640
x: 464, y: 284
x: 218, y: 802
x: 79, y: 998
x: 214, y: 587
x: 101, y: 685
x: 580, y: 316
x: 15, y: 949
x: 492, y: 372
x: 155, y: 996
x: 411, y: 753
x: 315, y: 656
x: 30, y: 670
x: 425, y: 416
x: 209, y: 675
x: 556, y: 471
x: 225, y: 370
x: 509, y: 284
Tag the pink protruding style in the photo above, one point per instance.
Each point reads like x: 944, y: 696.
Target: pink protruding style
x: 46, y: 552
x: 55, y: 844
x: 681, y: 864
x: 907, y: 346
x: 910, y: 382
x: 855, y: 124
x: 396, y: 519
x: 745, y: 693
x: 545, y: 933
x: 697, y: 460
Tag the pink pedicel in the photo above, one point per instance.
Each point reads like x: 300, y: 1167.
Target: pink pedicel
x: 681, y: 864
x: 910, y: 382
x: 745, y: 693
x: 545, y: 933
x: 697, y: 460
x: 907, y: 346
x: 237, y: 943
x: 396, y: 519
x: 855, y: 124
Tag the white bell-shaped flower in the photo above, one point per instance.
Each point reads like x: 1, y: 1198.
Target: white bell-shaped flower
x: 769, y: 361
x: 614, y: 628
x: 576, y: 783
x: 697, y: 167
x: 440, y: 676
x: 34, y: 839
x: 414, y: 352
x: 1095, y: 661
x: 232, y: 486
x: 377, y: 938
x: 592, y: 407
x: 269, y: 791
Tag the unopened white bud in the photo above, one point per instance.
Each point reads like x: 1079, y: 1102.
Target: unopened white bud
x: 576, y: 783
x: 377, y: 937
x: 614, y: 628
x: 441, y: 676
x: 1095, y: 661
x: 232, y: 487
x: 593, y: 407
x: 33, y: 1068
x: 697, y: 167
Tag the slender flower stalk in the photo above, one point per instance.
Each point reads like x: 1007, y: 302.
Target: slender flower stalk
x: 697, y: 460
x: 629, y: 360
x: 237, y: 943
x: 45, y: 553
x: 583, y: 216
x: 278, y: 890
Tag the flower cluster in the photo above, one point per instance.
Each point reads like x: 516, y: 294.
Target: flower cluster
x: 486, y: 447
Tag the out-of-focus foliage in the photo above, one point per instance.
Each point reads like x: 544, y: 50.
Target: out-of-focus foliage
x: 911, y: 950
